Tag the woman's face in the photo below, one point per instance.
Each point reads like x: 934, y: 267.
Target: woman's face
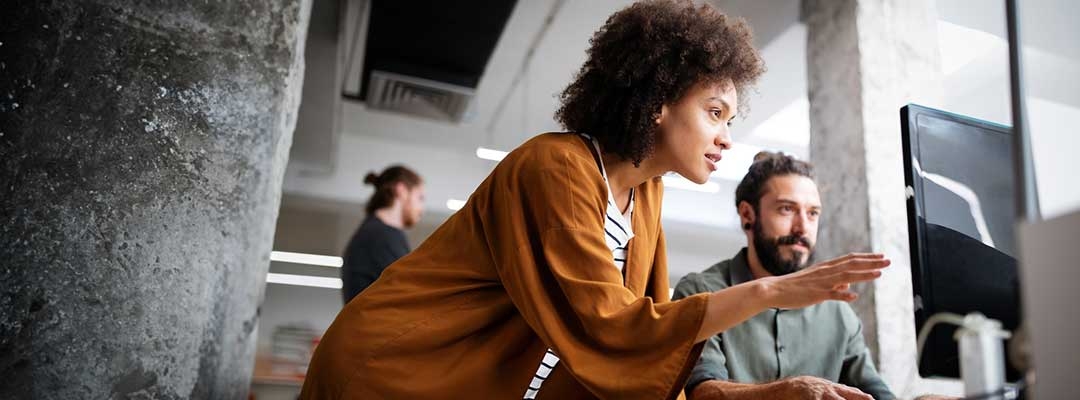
x: 694, y: 130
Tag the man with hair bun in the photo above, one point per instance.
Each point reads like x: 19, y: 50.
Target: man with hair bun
x: 396, y: 205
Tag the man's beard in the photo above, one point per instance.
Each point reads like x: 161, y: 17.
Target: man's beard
x: 768, y: 252
x: 409, y: 217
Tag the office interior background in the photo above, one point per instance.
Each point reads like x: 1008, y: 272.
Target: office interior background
x: 838, y: 73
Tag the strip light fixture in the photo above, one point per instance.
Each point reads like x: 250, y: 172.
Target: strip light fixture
x: 303, y: 258
x: 455, y: 204
x: 490, y: 154
x: 304, y: 280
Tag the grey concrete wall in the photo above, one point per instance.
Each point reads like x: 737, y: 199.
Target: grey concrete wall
x: 866, y: 59
x: 142, y: 146
x: 837, y: 143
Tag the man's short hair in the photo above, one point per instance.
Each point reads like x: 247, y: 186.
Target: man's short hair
x: 766, y: 165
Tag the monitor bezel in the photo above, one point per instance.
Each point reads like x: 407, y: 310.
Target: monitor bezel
x: 922, y: 294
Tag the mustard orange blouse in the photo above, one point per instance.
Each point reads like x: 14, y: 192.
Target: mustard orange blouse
x: 522, y: 267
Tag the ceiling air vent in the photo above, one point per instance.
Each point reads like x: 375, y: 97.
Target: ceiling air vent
x: 419, y: 96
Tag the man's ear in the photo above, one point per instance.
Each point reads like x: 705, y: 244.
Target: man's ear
x: 401, y: 190
x: 747, y: 216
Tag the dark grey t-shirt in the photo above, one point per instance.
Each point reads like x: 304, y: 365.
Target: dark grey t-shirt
x: 823, y: 340
x: 373, y: 247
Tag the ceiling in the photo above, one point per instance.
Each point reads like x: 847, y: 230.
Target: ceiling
x: 543, y: 44
x: 515, y: 100
x: 541, y: 47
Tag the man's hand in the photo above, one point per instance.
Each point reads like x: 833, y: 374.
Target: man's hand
x: 801, y: 387
x: 809, y: 387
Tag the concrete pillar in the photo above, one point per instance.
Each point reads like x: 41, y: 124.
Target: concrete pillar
x: 866, y: 59
x: 142, y: 146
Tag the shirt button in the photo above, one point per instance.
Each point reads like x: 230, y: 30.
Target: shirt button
x: 780, y: 349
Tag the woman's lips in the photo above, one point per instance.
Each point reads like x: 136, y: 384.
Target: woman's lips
x: 713, y: 158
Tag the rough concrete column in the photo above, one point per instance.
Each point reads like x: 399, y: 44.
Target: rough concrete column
x: 142, y: 146
x: 866, y: 59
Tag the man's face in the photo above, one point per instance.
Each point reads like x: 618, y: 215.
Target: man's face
x: 786, y: 223
x: 413, y: 207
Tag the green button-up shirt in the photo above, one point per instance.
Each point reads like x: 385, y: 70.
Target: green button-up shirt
x: 823, y: 340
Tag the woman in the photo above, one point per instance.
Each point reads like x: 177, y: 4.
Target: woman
x: 552, y: 281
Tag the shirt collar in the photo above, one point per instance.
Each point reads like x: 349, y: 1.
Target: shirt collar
x: 740, y: 268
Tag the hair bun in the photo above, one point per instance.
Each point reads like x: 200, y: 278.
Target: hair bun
x: 765, y: 155
x: 371, y: 178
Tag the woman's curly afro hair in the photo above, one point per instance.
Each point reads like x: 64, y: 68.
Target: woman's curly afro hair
x: 648, y: 55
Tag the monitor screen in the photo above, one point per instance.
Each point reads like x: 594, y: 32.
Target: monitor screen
x: 961, y: 215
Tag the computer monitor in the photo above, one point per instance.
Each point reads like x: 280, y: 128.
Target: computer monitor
x: 961, y: 214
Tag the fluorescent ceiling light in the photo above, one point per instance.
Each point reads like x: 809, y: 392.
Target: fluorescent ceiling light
x: 302, y: 258
x: 489, y: 154
x: 304, y: 280
x: 455, y: 204
x: 736, y: 162
x: 678, y: 182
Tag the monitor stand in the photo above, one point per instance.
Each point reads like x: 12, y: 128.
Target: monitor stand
x: 981, y: 351
x: 982, y: 356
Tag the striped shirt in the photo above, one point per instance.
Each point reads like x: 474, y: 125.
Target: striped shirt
x: 617, y: 235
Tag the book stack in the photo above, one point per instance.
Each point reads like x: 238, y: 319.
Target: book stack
x: 291, y: 349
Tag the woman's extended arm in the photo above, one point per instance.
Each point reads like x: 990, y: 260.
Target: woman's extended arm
x: 829, y: 280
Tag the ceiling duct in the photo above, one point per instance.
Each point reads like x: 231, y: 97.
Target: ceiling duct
x: 424, y: 58
x: 418, y: 96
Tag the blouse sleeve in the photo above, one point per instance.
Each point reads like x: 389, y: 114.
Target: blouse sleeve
x: 545, y: 231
